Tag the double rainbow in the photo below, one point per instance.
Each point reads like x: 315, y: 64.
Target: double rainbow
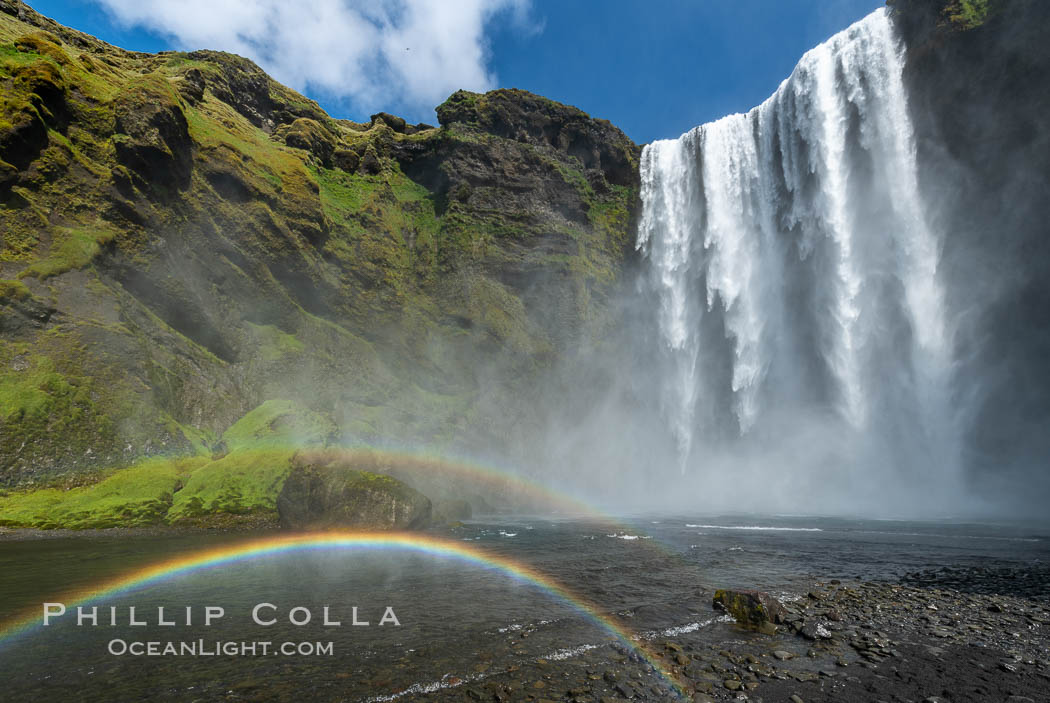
x: 327, y: 541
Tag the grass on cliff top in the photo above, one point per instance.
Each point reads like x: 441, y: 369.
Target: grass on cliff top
x: 132, y: 497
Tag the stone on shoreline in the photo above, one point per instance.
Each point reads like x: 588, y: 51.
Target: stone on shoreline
x: 815, y: 630
x: 755, y: 610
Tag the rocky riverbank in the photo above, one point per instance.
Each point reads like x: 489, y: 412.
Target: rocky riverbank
x: 842, y: 641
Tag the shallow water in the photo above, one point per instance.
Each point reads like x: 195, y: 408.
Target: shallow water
x: 458, y: 621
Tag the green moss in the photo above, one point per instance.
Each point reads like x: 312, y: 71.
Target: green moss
x: 58, y: 409
x: 135, y: 496
x: 460, y: 100
x: 72, y: 248
x: 225, y: 134
x: 573, y: 175
x: 385, y: 230
x: 278, y: 423
x: 968, y: 14
x: 273, y: 343
x: 11, y: 58
x: 29, y: 509
x: 33, y: 389
x: 178, y: 63
x: 243, y: 483
x: 200, y: 440
x: 43, y: 43
x: 747, y: 609
x: 13, y: 290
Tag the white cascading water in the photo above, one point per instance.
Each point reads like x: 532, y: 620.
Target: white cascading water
x: 793, y: 271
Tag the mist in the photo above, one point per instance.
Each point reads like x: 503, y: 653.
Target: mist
x: 838, y: 304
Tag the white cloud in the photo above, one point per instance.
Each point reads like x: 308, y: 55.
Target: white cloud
x: 379, y: 54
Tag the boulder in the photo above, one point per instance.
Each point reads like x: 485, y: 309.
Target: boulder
x: 754, y: 610
x: 318, y: 497
x: 815, y: 630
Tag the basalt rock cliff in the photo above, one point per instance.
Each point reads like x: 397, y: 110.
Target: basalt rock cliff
x: 185, y: 239
x: 202, y: 273
x: 979, y: 94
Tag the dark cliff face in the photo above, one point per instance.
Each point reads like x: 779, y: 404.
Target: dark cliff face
x: 980, y: 98
x: 184, y: 239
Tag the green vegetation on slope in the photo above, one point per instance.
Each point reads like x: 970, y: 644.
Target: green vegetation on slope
x: 240, y: 488
x: 184, y: 240
x: 72, y: 248
x: 967, y: 14
x: 279, y: 423
x: 136, y: 496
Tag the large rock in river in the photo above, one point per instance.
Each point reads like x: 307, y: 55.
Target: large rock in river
x: 754, y: 610
x: 318, y: 497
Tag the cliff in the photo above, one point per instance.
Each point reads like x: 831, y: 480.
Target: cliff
x: 202, y: 272
x: 185, y: 239
x: 977, y: 80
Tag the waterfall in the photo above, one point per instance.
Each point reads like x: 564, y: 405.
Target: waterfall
x: 793, y: 276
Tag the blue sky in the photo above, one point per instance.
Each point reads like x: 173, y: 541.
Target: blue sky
x: 655, y: 69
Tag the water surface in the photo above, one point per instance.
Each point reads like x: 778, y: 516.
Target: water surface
x: 458, y: 621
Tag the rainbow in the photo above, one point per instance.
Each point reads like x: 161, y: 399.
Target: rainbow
x: 430, y: 465
x: 326, y: 541
x: 416, y: 468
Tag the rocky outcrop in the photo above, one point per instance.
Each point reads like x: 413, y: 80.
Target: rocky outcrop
x: 754, y: 610
x: 151, y: 135
x: 204, y: 239
x: 326, y: 496
x: 532, y: 119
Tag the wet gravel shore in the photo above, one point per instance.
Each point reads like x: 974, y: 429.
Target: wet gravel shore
x: 904, y: 631
x: 963, y: 635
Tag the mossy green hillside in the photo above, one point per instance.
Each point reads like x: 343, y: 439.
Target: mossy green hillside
x: 60, y: 404
x: 71, y: 248
x: 242, y: 487
x: 279, y: 423
x: 132, y: 497
x: 185, y: 239
x: 49, y: 404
